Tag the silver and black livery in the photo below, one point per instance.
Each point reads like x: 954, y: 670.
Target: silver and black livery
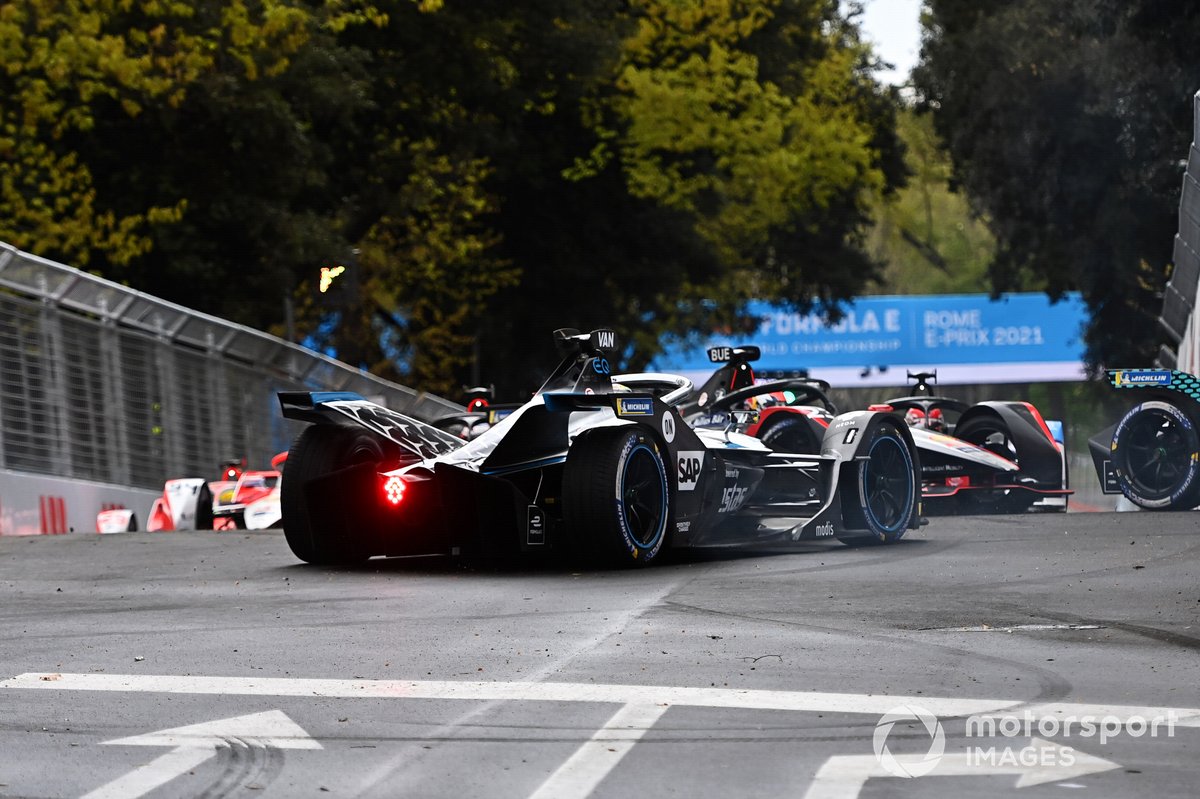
x: 1152, y: 455
x: 595, y: 464
x: 991, y: 457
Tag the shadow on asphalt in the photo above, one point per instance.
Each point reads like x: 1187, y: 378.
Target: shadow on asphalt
x: 525, y: 565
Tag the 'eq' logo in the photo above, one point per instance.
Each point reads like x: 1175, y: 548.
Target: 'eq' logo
x: 600, y: 366
x: 690, y: 464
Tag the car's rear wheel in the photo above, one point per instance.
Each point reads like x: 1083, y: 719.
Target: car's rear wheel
x: 616, y: 496
x: 887, y: 487
x: 790, y: 433
x: 991, y: 433
x: 319, y: 450
x: 1155, y: 452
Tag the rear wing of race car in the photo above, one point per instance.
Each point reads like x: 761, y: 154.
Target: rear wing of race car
x: 414, y: 437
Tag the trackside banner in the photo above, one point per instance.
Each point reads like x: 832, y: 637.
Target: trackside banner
x: 936, y: 331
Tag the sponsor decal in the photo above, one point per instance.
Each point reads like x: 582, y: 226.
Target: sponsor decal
x: 824, y: 529
x: 690, y: 464
x: 640, y: 406
x: 1155, y: 378
x: 733, y: 498
x: 851, y: 434
x: 668, y: 427
x: 703, y: 398
x: 683, y: 527
x: 1111, y: 484
x: 535, y: 531
x: 600, y: 366
x: 711, y: 420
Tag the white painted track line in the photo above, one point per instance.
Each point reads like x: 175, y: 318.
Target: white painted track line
x: 591, y: 763
x: 809, y: 701
x: 144, y: 779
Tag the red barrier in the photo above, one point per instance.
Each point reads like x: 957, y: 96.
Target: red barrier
x: 53, y: 512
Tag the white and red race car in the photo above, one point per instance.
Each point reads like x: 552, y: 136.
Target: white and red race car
x: 240, y: 499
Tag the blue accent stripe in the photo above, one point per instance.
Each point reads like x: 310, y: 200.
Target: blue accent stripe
x: 319, y: 397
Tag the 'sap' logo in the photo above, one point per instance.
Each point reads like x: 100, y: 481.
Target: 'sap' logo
x: 690, y: 464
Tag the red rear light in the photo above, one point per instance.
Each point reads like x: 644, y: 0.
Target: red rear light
x: 393, y: 489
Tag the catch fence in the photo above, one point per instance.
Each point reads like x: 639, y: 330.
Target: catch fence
x: 100, y: 382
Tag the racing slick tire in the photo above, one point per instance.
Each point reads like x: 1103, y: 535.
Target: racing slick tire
x: 790, y: 433
x: 887, y: 487
x: 993, y: 434
x: 319, y: 450
x: 204, y: 508
x: 616, y: 496
x: 1155, y: 451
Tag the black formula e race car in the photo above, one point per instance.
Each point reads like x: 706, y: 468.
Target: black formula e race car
x: 593, y: 465
x: 992, y: 457
x: 1152, y: 455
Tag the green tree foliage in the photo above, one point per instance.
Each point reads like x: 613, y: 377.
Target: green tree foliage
x: 757, y: 123
x: 1067, y: 123
x: 925, y: 234
x: 486, y: 171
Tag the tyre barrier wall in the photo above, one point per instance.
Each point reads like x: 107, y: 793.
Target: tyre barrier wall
x: 112, y: 387
x: 34, y: 504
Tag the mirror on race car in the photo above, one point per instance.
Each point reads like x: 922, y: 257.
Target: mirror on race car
x: 745, y: 354
x: 603, y: 340
x: 599, y: 341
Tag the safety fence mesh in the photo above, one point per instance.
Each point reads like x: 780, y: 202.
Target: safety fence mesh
x: 101, y: 382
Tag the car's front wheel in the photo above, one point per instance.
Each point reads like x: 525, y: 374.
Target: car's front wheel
x: 887, y: 487
x: 790, y: 433
x: 993, y: 434
x: 1156, y: 452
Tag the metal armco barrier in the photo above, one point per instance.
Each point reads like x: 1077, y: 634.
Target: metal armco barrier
x: 102, y: 383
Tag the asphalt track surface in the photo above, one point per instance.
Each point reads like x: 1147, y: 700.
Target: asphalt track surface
x: 215, y: 664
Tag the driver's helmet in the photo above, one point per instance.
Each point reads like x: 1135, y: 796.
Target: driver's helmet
x: 933, y: 420
x: 769, y: 400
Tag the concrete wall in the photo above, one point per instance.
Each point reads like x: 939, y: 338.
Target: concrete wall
x: 34, y: 504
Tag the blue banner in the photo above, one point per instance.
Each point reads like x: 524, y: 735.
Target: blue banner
x: 926, y: 330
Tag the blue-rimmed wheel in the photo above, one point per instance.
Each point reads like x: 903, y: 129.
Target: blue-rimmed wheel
x: 616, y: 495
x: 887, y: 486
x: 1156, y: 452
